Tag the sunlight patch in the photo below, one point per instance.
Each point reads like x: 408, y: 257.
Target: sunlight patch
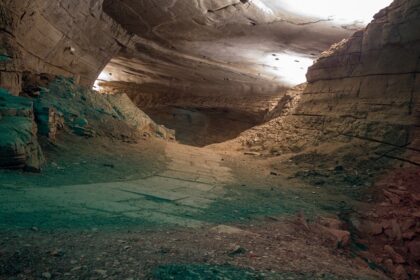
x: 290, y: 67
x: 355, y: 11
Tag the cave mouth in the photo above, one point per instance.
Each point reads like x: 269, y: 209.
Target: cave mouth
x: 270, y: 178
x: 211, y: 86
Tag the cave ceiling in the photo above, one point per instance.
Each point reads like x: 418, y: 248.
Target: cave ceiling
x: 256, y: 45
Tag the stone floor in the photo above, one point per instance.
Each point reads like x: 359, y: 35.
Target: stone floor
x: 190, y: 182
x: 176, y: 204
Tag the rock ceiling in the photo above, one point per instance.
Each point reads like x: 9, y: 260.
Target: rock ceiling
x: 206, y: 39
x: 214, y: 53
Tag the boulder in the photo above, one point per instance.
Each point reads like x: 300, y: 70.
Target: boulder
x: 19, y: 147
x: 414, y: 250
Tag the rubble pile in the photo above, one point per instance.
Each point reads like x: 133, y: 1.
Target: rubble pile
x: 391, y: 229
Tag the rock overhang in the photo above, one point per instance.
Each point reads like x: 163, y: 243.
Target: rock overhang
x: 250, y: 46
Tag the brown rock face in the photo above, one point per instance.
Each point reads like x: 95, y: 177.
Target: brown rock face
x: 70, y: 38
x: 368, y: 86
x: 208, y: 54
x: 365, y: 88
x: 19, y: 148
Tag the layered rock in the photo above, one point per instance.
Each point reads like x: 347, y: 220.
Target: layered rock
x: 19, y: 148
x: 368, y: 87
x: 70, y: 38
x: 210, y: 54
x: 365, y: 88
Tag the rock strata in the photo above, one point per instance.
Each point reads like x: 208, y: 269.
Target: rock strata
x: 19, y: 148
x: 365, y: 88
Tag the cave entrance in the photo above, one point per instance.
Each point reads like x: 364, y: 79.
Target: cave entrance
x: 216, y: 69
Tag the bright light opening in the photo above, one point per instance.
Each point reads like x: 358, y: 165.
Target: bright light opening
x: 104, y: 76
x: 260, y: 5
x: 360, y: 11
x: 290, y: 67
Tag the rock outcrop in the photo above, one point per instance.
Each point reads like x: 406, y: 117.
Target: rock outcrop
x: 88, y: 113
x: 71, y: 38
x: 63, y: 105
x: 208, y: 54
x: 165, y: 53
x: 365, y: 88
x: 368, y: 87
x: 19, y: 148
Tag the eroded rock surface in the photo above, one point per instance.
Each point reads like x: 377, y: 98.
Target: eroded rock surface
x: 71, y: 38
x: 369, y: 86
x: 365, y: 88
x: 87, y: 113
x: 19, y: 148
x: 165, y: 53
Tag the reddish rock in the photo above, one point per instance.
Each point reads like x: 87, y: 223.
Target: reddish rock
x: 414, y: 249
x: 407, y: 224
x: 416, y: 197
x: 341, y: 238
x: 331, y: 223
x: 396, y: 230
x: 393, y: 198
x: 386, y: 224
x: 389, y: 265
x: 374, y: 228
x: 408, y: 235
x: 397, y: 258
x: 400, y: 273
x: 416, y: 214
x: 398, y: 192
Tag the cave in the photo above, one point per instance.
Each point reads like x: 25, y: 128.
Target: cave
x: 209, y: 139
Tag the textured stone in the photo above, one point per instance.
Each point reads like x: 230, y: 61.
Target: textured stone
x: 71, y: 38
x: 384, y: 79
x: 19, y: 148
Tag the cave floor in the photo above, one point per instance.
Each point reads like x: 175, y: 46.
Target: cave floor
x: 164, y: 210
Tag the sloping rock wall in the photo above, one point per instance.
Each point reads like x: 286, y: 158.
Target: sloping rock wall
x: 88, y: 113
x: 368, y: 87
x: 365, y: 88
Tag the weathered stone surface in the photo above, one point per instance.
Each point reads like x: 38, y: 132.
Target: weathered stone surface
x: 165, y: 52
x: 88, y: 113
x: 365, y: 88
x: 19, y: 148
x: 71, y: 38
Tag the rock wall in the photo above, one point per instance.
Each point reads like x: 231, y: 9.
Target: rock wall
x: 368, y: 86
x: 19, y: 148
x: 208, y: 51
x: 365, y: 88
x: 64, y: 37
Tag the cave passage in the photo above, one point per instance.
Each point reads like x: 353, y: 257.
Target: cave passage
x: 210, y: 139
x: 202, y: 127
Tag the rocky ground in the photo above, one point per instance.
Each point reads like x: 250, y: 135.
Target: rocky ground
x: 125, y: 203
x: 265, y: 249
x: 256, y: 222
